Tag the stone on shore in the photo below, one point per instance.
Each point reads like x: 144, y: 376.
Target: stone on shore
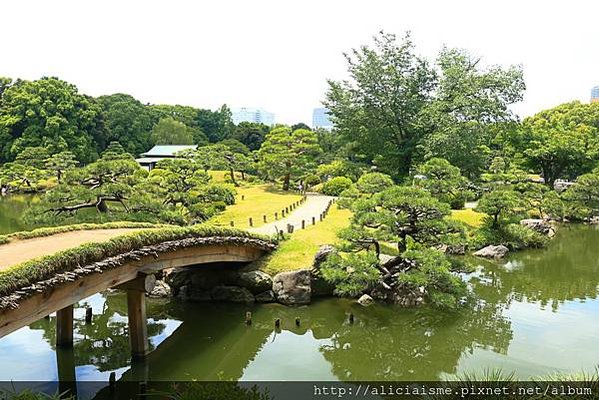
x: 365, y: 300
x: 320, y: 287
x: 539, y: 225
x: 254, y: 281
x: 293, y: 287
x: 492, y: 251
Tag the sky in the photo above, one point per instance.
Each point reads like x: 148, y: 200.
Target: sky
x: 278, y: 54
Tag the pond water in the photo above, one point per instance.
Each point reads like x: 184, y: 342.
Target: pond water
x: 12, y: 208
x: 538, y: 313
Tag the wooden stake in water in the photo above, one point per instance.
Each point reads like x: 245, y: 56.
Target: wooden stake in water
x: 88, y: 315
x: 351, y: 318
x: 248, y: 318
x: 278, y: 323
x: 297, y: 321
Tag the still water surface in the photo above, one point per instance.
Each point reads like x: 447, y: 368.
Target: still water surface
x: 537, y: 313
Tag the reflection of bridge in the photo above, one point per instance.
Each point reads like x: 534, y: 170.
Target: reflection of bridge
x: 133, y: 273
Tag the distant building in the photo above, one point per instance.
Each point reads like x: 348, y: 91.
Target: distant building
x: 320, y: 118
x: 161, y: 152
x: 595, y: 95
x: 246, y: 114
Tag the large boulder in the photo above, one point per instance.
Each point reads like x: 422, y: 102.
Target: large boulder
x: 232, y: 294
x: 188, y: 293
x: 254, y: 281
x: 320, y: 287
x: 539, y: 225
x: 293, y: 287
x: 492, y: 251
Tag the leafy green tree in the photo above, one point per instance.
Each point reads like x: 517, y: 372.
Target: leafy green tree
x: 500, y: 205
x: 397, y: 108
x: 584, y: 195
x: 300, y: 125
x: 560, y: 142
x: 61, y: 162
x: 44, y: 113
x: 374, y: 182
x: 339, y: 167
x: 251, y: 134
x: 470, y: 108
x: 184, y: 114
x: 382, y: 107
x: 335, y: 186
x: 216, y: 125
x: 33, y: 157
x: 287, y: 154
x: 127, y: 121
x: 18, y: 177
x: 169, y: 131
x: 444, y: 181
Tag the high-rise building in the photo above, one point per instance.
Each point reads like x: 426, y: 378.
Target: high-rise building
x: 595, y: 95
x: 247, y: 114
x: 320, y: 118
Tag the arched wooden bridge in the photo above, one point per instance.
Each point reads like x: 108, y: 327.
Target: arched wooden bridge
x: 132, y: 271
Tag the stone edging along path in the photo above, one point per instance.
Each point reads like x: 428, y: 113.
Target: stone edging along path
x: 311, y: 212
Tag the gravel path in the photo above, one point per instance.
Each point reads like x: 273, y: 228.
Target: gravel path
x: 19, y: 251
x: 314, y: 205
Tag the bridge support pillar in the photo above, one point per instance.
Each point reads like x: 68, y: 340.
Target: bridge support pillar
x: 136, y: 310
x: 64, y: 327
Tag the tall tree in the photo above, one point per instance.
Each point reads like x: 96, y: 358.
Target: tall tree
x: 562, y: 142
x: 382, y: 107
x: 127, y: 121
x: 286, y: 153
x: 169, y: 131
x: 251, y: 134
x: 45, y: 112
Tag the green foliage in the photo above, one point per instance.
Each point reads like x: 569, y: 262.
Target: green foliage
x: 337, y: 168
x: 286, y: 154
x: 444, y: 181
x: 353, y: 274
x: 45, y: 113
x: 169, y: 131
x: 335, y: 186
x: 584, y: 195
x: 43, y: 268
x: 251, y: 134
x: 560, y: 142
x: 127, y: 121
x: 433, y: 272
x: 501, y: 206
x: 397, y: 108
x: 512, y: 235
x: 374, y: 182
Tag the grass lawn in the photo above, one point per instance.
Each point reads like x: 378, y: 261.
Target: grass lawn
x: 298, y: 251
x: 468, y: 216
x: 222, y: 176
x: 257, y: 201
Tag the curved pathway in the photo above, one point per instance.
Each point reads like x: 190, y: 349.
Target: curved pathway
x: 19, y: 251
x: 314, y: 205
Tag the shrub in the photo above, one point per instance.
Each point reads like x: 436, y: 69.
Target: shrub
x: 514, y: 236
x: 374, y: 182
x: 336, y: 186
x: 311, y: 180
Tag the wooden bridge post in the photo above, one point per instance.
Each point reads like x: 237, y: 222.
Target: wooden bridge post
x: 138, y: 329
x: 64, y: 327
x: 136, y: 311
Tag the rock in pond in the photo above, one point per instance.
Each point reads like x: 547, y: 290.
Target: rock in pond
x: 365, y: 300
x: 539, y: 225
x: 492, y: 251
x: 232, y: 294
x: 293, y: 287
x: 320, y: 287
x: 254, y: 281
